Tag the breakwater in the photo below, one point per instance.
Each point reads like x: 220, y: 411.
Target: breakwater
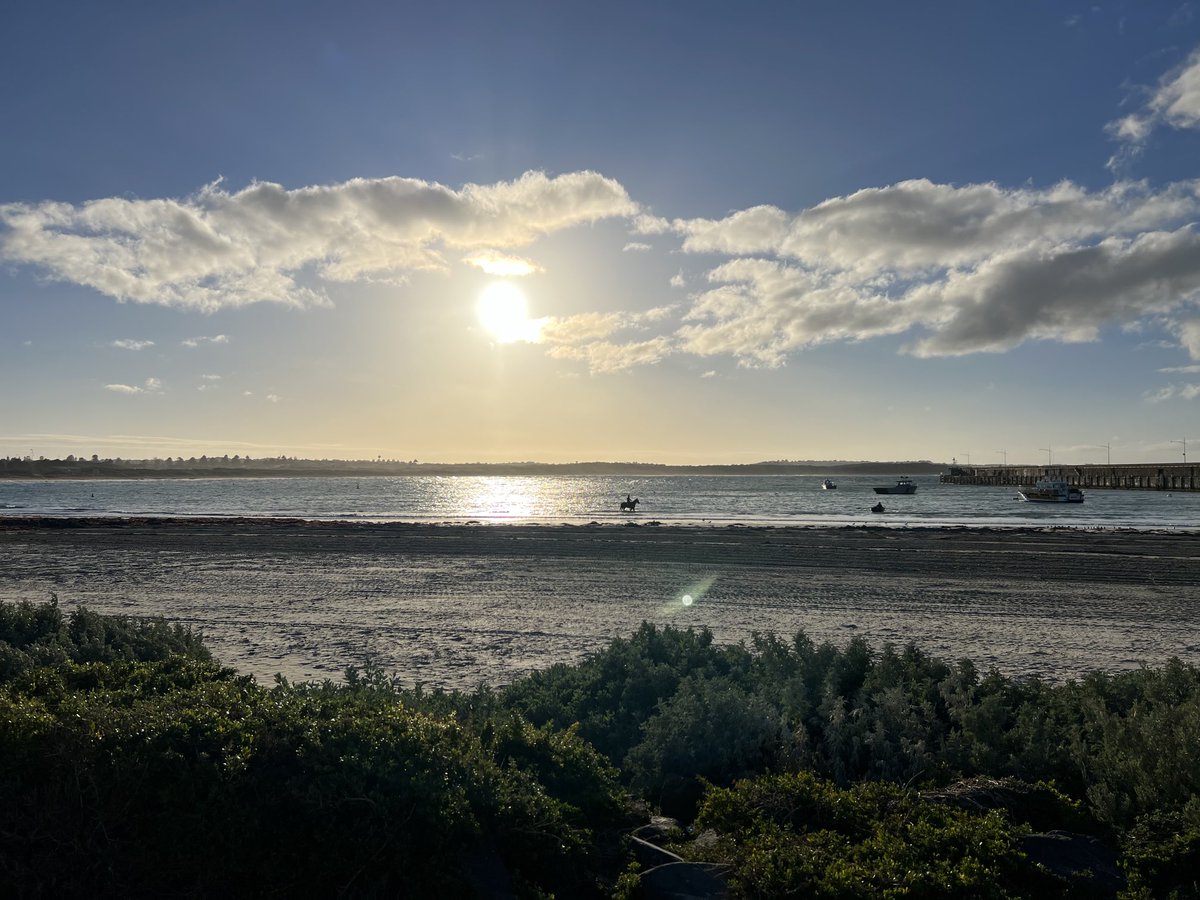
x: 1140, y: 477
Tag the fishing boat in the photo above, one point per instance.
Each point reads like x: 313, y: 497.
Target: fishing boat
x: 828, y: 485
x: 1051, y: 490
x: 903, y: 485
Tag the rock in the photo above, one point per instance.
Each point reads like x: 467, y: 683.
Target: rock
x: 685, y: 881
x: 658, y: 830
x: 705, y: 839
x: 1076, y: 857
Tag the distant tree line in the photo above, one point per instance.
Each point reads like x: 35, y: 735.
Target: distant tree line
x: 238, y: 465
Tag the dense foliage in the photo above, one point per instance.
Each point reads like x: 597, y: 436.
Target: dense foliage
x: 797, y: 835
x: 132, y: 764
x: 165, y: 774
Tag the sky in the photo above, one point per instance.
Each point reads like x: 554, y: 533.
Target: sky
x: 678, y: 232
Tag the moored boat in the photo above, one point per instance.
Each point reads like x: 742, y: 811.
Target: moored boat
x: 828, y: 485
x: 903, y: 485
x: 1050, y: 490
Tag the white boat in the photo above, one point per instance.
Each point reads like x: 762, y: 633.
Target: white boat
x: 1051, y: 490
x: 903, y: 485
x: 828, y: 485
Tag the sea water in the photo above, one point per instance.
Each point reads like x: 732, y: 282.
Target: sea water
x: 675, y: 499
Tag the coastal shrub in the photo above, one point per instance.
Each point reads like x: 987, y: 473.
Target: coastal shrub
x: 1162, y: 854
x: 612, y: 693
x: 129, y: 758
x: 796, y: 835
x: 176, y: 776
x: 708, y: 730
x: 674, y: 711
x: 37, y: 634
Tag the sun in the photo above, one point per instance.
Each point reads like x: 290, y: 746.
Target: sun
x: 503, y: 311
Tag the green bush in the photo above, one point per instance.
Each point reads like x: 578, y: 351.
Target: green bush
x: 799, y: 836
x: 128, y: 758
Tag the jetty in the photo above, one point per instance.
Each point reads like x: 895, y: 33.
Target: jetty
x: 1140, y: 477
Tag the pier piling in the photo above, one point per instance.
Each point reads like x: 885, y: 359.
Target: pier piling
x: 1142, y: 477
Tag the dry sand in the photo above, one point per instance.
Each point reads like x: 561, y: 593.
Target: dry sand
x: 459, y: 605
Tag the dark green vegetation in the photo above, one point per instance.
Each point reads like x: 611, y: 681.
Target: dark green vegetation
x: 131, y: 764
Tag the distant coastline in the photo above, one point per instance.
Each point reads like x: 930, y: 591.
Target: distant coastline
x: 41, y: 469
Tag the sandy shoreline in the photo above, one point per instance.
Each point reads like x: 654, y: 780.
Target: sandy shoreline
x: 464, y: 604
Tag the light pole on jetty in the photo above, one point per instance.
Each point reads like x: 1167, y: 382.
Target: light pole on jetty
x: 1004, y: 454
x: 1049, y: 455
x: 1104, y: 447
x: 1184, y: 442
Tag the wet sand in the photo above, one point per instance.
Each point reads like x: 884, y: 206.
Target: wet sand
x: 460, y: 605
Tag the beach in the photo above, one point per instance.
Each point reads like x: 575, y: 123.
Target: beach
x: 462, y: 605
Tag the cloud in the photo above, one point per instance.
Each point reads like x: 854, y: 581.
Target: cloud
x: 195, y: 342
x: 678, y: 281
x: 1174, y: 392
x: 1181, y: 370
x: 219, y: 249
x: 636, y: 247
x: 211, y: 377
x: 585, y: 338
x: 1174, y: 102
x: 1065, y: 294
x: 149, y: 386
x: 762, y: 310
x: 919, y: 226
x: 1189, y: 336
x: 274, y: 398
x: 646, y: 224
x: 503, y: 265
x: 130, y: 344
x: 605, y: 357
x: 977, y: 268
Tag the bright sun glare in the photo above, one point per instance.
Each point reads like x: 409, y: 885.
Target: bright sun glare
x: 503, y: 312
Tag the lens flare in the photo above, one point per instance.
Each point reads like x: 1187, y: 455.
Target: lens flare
x: 690, y: 596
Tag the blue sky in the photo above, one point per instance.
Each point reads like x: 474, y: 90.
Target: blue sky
x: 725, y: 232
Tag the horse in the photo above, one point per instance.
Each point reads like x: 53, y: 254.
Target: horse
x: 630, y: 505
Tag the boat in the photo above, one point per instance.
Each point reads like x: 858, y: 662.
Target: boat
x: 1051, y: 490
x: 828, y: 485
x: 877, y: 508
x: 903, y: 485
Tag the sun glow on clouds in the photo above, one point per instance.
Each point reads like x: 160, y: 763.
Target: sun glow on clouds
x: 502, y: 265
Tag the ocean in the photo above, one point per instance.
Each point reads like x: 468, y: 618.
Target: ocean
x: 687, y: 499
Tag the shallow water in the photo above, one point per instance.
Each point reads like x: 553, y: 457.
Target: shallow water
x: 776, y: 500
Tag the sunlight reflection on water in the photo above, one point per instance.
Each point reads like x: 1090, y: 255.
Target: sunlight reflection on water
x: 690, y: 499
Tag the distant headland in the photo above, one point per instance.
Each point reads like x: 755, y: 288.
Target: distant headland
x: 285, y: 466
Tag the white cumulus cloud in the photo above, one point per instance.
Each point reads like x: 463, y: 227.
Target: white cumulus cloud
x: 1174, y: 102
x: 503, y: 265
x: 149, y: 386
x: 1174, y: 392
x: 194, y: 342
x: 220, y: 249
x: 969, y: 268
x: 131, y: 344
